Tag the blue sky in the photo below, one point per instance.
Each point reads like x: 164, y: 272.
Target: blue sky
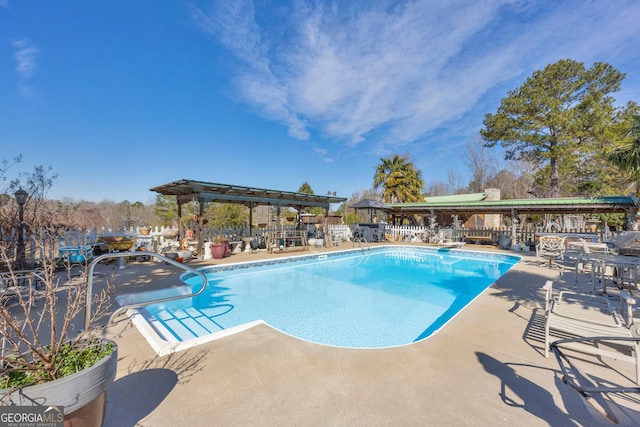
x: 121, y: 96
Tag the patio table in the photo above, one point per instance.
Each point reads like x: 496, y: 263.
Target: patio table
x: 23, y: 279
x: 282, y: 240
x: 619, y: 263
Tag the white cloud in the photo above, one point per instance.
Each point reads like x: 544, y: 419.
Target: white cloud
x: 233, y: 23
x: 387, y: 74
x: 25, y: 58
x: 323, y: 153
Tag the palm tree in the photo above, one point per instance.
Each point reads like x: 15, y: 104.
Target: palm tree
x: 627, y: 155
x: 399, y: 180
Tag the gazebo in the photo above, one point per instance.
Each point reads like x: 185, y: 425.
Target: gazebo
x: 371, y: 206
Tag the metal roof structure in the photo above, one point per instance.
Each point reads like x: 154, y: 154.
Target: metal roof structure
x: 456, y: 198
x: 569, y: 205
x: 186, y: 190
x: 369, y: 204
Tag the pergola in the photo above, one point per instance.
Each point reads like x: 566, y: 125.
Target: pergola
x: 186, y: 190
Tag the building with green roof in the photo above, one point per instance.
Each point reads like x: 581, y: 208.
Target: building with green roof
x: 464, y: 206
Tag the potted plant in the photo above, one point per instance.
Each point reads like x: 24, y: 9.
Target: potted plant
x: 46, y: 358
x: 219, y: 247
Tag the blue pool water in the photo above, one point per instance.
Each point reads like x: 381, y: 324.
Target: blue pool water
x: 381, y: 297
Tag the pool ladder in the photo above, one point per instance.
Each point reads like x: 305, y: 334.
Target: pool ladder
x: 360, y: 241
x: 96, y: 260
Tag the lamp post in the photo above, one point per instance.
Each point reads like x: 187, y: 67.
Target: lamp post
x: 21, y: 199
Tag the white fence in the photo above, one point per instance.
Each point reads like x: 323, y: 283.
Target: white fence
x: 79, y: 237
x: 406, y: 233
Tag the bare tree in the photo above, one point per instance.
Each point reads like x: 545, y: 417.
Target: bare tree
x: 350, y: 215
x: 39, y: 319
x: 114, y: 213
x: 482, y: 163
x: 455, y: 182
x: 515, y: 181
x: 39, y: 308
x: 437, y: 188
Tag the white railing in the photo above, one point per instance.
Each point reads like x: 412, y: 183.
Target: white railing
x: 162, y: 235
x: 406, y: 233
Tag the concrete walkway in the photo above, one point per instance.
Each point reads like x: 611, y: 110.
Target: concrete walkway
x: 484, y: 368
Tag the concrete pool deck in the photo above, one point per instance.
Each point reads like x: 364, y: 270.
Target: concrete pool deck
x: 486, y: 367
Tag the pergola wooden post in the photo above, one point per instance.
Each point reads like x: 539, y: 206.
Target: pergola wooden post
x: 514, y: 227
x: 201, y: 228
x: 180, y: 225
x: 251, y: 205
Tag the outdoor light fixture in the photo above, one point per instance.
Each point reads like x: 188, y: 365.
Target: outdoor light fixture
x: 21, y: 199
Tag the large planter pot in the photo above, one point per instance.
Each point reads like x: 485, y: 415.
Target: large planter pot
x: 83, y: 394
x: 218, y: 250
x: 119, y: 243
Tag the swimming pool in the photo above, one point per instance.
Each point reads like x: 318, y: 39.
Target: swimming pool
x: 380, y: 297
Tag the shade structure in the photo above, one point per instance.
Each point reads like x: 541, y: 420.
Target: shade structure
x: 370, y: 205
x: 186, y: 190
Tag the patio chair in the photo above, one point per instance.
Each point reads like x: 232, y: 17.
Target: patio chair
x: 19, y: 281
x: 428, y: 236
x: 577, y: 257
x: 590, y: 316
x: 578, y: 378
x: 551, y: 248
x: 445, y: 236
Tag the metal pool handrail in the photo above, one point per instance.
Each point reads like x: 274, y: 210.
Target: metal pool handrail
x: 360, y: 240
x: 87, y: 315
